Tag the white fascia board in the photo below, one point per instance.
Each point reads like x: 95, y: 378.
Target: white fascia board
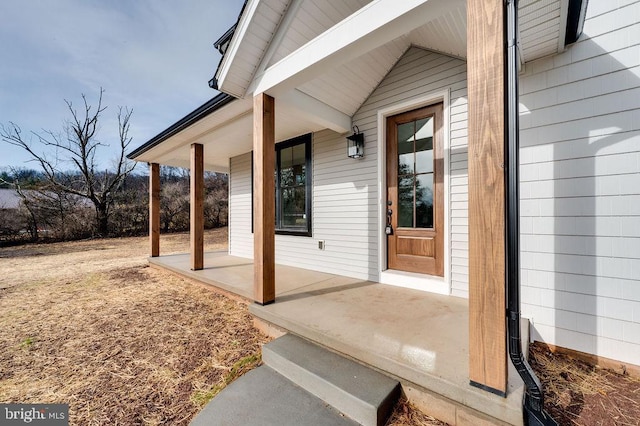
x: 372, y: 26
x: 315, y: 111
x: 236, y: 41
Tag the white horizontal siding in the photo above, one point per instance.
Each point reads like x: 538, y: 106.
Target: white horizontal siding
x: 343, y: 213
x: 580, y: 188
x: 240, y: 215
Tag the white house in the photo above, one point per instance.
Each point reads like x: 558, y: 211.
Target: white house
x: 424, y: 82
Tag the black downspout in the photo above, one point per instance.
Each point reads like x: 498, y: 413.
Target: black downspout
x: 534, y: 413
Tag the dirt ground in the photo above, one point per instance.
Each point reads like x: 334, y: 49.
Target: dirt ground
x: 90, y: 324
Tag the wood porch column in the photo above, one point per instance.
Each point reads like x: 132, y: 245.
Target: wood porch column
x: 264, y: 288
x: 154, y: 208
x: 487, y: 310
x: 196, y: 197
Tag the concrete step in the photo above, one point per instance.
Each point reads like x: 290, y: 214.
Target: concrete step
x: 263, y: 397
x: 360, y: 393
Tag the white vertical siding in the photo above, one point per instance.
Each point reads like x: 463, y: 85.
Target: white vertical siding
x: 240, y: 215
x: 419, y: 73
x: 580, y: 173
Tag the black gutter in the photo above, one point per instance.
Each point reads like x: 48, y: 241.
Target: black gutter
x: 226, y: 37
x: 533, y: 408
x: 204, y: 110
x: 575, y: 20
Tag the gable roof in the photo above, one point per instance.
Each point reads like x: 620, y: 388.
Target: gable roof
x: 269, y: 32
x: 322, y: 60
x: 222, y: 44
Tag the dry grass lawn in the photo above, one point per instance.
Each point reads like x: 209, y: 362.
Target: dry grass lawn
x: 90, y: 324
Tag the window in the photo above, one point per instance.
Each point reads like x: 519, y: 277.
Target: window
x: 293, y: 186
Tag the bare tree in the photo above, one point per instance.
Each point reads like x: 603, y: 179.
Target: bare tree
x: 78, y: 146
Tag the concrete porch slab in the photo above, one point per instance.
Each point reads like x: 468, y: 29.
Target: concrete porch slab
x: 235, y: 274
x: 421, y: 338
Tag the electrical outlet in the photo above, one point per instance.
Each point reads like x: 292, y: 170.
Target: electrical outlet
x: 320, y: 244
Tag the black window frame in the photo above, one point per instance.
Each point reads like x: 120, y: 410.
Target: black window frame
x: 307, y: 141
x: 300, y: 140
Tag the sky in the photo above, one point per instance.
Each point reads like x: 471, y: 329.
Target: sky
x: 153, y: 56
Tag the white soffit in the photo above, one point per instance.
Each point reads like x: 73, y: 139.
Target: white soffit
x: 347, y: 86
x: 312, y: 18
x: 541, y: 27
x: 370, y: 27
x: 250, y: 40
x: 447, y: 34
x: 540, y: 23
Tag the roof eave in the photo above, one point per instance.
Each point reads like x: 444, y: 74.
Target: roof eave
x: 577, y: 10
x: 193, y: 117
x: 226, y: 37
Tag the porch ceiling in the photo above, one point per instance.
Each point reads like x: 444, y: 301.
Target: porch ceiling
x: 346, y: 86
x: 269, y: 33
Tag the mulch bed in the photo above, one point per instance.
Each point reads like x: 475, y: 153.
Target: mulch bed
x: 578, y: 393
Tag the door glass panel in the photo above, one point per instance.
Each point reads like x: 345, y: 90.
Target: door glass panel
x: 405, y: 201
x: 405, y: 148
x: 424, y: 200
x: 424, y: 145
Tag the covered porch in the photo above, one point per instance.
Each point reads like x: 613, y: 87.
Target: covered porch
x: 420, y: 338
x: 451, y: 352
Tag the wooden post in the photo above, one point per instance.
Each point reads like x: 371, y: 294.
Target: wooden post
x: 264, y: 288
x: 154, y: 208
x: 196, y: 198
x: 486, y: 76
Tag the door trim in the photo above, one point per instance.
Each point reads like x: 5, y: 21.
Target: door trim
x: 423, y: 282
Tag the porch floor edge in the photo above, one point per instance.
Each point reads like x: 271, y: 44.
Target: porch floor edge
x: 419, y: 338
x: 508, y: 410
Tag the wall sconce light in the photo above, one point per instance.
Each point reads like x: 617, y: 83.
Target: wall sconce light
x: 355, y: 144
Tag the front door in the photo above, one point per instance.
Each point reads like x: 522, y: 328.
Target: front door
x: 415, y: 210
